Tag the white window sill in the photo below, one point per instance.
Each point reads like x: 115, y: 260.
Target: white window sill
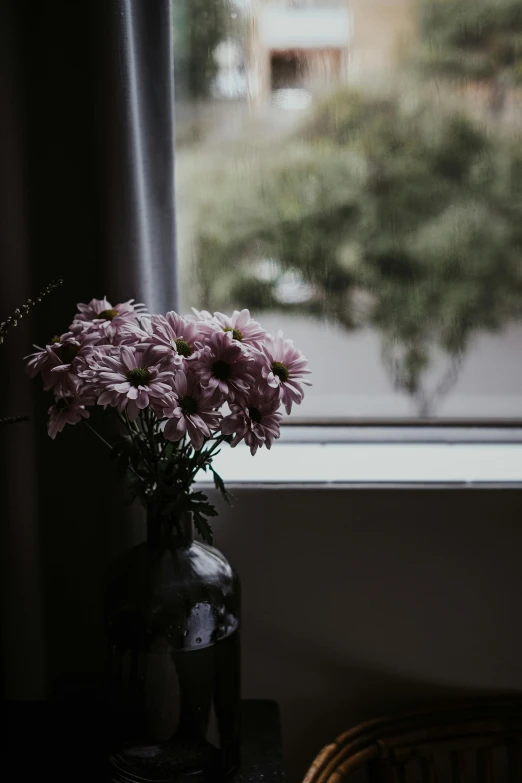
x: 390, y: 463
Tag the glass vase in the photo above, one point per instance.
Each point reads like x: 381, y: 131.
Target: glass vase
x: 172, y: 610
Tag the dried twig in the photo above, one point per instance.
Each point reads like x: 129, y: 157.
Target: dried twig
x: 13, y: 419
x: 19, y: 313
x: 12, y: 321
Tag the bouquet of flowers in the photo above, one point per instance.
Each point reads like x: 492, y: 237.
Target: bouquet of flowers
x: 178, y: 385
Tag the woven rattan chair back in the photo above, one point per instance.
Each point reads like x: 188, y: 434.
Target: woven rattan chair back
x: 477, y: 742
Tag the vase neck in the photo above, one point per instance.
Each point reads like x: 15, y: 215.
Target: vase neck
x: 172, y: 532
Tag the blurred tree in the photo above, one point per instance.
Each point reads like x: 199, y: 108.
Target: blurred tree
x: 477, y: 40
x: 199, y: 26
x: 387, y: 212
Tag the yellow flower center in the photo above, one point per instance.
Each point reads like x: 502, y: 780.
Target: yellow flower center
x: 67, y: 352
x: 188, y: 405
x: 139, y: 376
x: 63, y: 403
x: 255, y: 415
x: 281, y: 370
x: 183, y: 348
x: 221, y: 370
x: 236, y: 334
x: 108, y: 314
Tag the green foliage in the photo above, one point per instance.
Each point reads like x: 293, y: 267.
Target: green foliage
x: 473, y: 39
x: 199, y: 26
x: 198, y: 505
x: 161, y: 473
x: 385, y: 199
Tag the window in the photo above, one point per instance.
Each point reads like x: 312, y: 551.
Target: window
x: 351, y: 171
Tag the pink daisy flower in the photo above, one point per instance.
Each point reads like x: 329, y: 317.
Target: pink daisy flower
x: 66, y: 410
x: 240, y: 326
x: 175, y: 336
x: 134, y: 334
x: 110, y: 321
x: 60, y: 362
x: 257, y: 421
x: 224, y: 365
x: 200, y: 315
x: 130, y: 380
x: 190, y: 411
x: 282, y: 366
x: 90, y: 364
x: 41, y: 363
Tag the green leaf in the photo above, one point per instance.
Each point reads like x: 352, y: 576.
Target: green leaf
x: 201, y: 508
x: 169, y: 451
x: 220, y: 485
x: 204, y: 529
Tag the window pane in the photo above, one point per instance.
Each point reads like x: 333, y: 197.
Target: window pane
x: 351, y: 171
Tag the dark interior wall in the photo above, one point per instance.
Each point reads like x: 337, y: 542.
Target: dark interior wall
x: 355, y: 602
x: 361, y: 602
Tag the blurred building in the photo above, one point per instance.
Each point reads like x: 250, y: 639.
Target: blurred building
x: 296, y: 46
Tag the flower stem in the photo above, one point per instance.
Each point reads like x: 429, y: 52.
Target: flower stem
x: 149, y: 418
x: 98, y: 435
x: 164, y: 448
x: 139, y: 444
x: 205, y: 456
x: 126, y: 423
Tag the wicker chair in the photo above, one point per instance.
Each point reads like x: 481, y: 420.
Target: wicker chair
x: 476, y: 742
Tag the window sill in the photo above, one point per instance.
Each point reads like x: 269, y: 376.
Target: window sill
x: 389, y: 463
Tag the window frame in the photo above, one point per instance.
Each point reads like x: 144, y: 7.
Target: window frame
x: 401, y: 430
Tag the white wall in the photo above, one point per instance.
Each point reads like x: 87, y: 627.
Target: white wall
x: 360, y: 602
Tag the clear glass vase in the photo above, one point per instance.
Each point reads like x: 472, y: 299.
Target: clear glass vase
x: 172, y: 609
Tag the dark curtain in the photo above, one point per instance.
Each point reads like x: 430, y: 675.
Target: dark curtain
x: 86, y: 194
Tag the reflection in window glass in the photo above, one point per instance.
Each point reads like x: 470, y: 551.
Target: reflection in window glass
x: 351, y: 171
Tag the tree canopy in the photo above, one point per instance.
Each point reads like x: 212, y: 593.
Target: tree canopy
x: 474, y: 40
x: 393, y: 212
x: 199, y: 26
